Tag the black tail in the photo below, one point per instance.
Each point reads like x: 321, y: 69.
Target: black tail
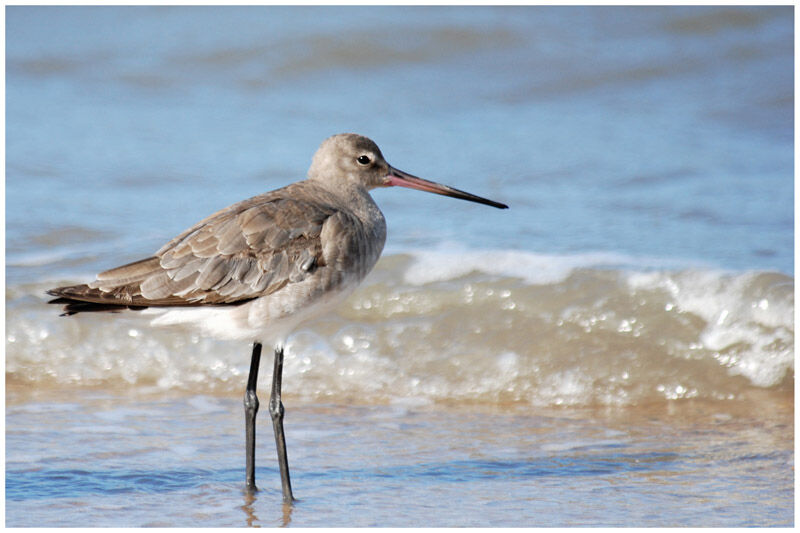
x: 71, y: 299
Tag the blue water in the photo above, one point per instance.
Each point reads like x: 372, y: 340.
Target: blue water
x: 614, y: 349
x: 655, y: 132
x: 144, y: 462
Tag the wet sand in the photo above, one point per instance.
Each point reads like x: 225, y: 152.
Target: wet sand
x: 100, y: 458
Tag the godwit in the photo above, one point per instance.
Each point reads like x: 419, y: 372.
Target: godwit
x: 257, y: 269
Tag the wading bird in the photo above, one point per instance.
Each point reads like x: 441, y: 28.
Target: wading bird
x: 257, y: 269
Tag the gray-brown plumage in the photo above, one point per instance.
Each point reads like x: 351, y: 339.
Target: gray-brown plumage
x: 307, y: 240
x: 274, y: 254
x: 251, y: 249
x: 258, y: 268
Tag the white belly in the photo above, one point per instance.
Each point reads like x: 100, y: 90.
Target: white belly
x: 269, y: 319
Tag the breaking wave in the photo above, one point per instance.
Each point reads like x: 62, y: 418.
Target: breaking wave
x: 460, y: 326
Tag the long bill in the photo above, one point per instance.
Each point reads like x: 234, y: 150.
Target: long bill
x: 398, y: 178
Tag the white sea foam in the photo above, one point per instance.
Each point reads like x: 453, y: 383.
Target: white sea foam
x: 452, y: 260
x: 489, y: 326
x: 749, y: 317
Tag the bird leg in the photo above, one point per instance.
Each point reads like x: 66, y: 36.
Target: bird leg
x: 276, y: 412
x: 250, y: 410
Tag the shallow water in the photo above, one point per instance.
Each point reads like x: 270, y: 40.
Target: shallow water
x: 617, y: 348
x: 137, y: 461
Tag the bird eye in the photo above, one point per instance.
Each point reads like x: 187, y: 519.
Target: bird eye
x: 363, y: 160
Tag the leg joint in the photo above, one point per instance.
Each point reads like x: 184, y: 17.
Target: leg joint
x: 250, y: 400
x: 276, y: 409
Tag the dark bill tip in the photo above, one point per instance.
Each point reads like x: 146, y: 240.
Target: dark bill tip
x: 398, y: 178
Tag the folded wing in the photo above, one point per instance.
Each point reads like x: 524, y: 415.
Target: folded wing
x: 251, y: 249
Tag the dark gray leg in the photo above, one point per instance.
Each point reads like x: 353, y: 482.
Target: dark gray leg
x: 276, y: 412
x: 250, y: 410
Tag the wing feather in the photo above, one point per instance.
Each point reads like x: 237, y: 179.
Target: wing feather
x: 251, y: 249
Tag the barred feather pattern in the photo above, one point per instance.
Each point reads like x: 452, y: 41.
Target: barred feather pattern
x: 303, y: 239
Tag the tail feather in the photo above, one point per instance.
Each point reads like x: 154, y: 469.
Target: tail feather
x: 82, y: 298
x: 72, y: 307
